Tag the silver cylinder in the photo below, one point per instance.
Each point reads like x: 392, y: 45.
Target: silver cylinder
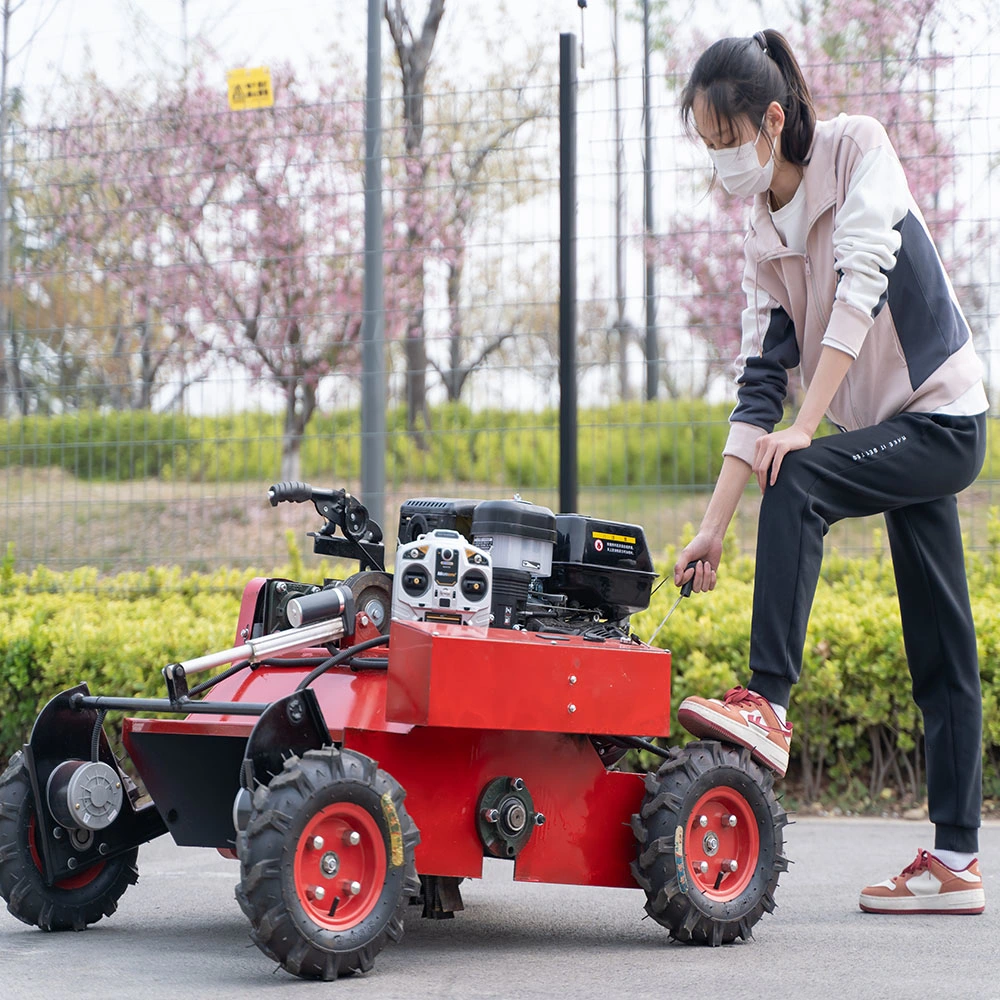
x: 87, y: 795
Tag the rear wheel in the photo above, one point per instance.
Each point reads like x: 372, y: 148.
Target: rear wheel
x: 69, y: 904
x: 710, y: 843
x: 326, y: 864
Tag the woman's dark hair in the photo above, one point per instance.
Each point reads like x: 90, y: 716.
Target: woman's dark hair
x: 740, y: 77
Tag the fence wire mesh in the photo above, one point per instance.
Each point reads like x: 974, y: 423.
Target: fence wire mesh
x: 184, y: 305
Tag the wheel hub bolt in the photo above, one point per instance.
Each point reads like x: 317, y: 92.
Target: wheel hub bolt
x: 353, y: 888
x: 319, y: 892
x: 318, y: 843
x: 71, y: 864
x: 731, y: 819
x: 491, y: 815
x: 703, y: 867
x: 352, y: 837
x: 710, y: 843
x: 329, y: 864
x: 702, y: 821
x: 730, y: 866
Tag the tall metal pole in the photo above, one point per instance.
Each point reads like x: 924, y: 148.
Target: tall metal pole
x: 567, y: 275
x: 373, y: 324
x: 652, y: 350
x: 5, y: 374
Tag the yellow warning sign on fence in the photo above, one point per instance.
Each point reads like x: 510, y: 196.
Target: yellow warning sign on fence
x: 250, y: 88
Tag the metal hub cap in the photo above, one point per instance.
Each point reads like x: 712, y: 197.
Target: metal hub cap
x: 339, y: 889
x: 724, y: 843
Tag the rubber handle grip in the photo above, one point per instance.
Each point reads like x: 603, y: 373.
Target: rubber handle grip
x: 689, y: 586
x: 289, y: 493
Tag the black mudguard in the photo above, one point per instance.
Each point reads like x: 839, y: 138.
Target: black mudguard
x: 60, y: 733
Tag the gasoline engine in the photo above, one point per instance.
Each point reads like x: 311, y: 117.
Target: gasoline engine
x: 513, y: 564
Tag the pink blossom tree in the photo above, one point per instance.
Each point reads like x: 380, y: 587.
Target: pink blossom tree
x: 232, y: 236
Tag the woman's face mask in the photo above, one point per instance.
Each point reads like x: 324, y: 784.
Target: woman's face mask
x: 739, y: 169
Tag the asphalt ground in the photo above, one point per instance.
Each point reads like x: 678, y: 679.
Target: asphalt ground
x: 180, y: 933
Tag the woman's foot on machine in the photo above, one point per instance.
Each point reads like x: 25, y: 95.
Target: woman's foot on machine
x: 742, y: 717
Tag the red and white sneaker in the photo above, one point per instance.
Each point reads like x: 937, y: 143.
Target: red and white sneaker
x: 927, y: 885
x: 742, y: 717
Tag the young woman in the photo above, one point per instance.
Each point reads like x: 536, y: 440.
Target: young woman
x: 843, y: 281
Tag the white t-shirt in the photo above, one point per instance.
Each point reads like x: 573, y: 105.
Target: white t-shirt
x: 791, y: 222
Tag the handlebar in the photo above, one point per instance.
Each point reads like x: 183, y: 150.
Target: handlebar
x: 295, y: 492
x: 340, y: 509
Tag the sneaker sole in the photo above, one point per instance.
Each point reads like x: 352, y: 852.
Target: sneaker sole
x: 963, y: 902
x: 710, y: 723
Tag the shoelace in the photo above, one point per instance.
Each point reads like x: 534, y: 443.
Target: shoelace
x: 739, y: 695
x: 744, y: 696
x: 919, y: 863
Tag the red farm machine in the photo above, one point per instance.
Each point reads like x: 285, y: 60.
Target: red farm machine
x: 367, y: 743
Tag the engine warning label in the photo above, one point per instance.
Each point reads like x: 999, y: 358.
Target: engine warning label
x: 605, y: 536
x: 610, y: 544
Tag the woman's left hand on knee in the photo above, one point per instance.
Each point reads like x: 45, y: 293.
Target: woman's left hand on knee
x: 770, y: 451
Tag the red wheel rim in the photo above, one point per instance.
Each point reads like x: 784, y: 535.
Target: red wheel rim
x: 77, y: 881
x: 721, y: 830
x: 340, y: 866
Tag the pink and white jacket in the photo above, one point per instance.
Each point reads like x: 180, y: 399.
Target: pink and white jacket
x: 870, y: 283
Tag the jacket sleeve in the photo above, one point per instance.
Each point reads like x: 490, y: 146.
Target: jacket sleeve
x: 767, y: 351
x: 866, y: 237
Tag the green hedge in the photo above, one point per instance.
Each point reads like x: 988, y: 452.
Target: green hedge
x: 668, y: 443
x: 857, y: 733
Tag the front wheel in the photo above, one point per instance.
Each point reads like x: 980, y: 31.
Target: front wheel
x: 326, y: 864
x: 69, y: 904
x: 710, y: 843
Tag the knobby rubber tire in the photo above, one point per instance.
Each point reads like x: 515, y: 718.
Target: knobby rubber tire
x: 22, y: 885
x: 678, y: 896
x: 285, y: 928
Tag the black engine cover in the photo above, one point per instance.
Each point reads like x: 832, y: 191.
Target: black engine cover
x: 601, y: 564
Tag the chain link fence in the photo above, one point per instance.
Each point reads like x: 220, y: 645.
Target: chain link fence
x: 184, y: 305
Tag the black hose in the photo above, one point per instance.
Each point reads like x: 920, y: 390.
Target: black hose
x: 212, y: 681
x: 344, y: 654
x: 95, y: 739
x: 290, y: 661
x: 368, y: 663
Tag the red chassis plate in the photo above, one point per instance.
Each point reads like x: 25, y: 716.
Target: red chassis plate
x: 457, y: 676
x: 586, y: 838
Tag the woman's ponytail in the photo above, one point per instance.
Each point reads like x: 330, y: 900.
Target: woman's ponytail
x: 800, y: 114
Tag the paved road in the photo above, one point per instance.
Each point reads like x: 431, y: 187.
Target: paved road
x: 180, y: 933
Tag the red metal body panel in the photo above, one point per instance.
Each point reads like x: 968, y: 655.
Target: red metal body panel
x: 456, y: 676
x: 586, y: 838
x: 348, y: 699
x: 459, y: 707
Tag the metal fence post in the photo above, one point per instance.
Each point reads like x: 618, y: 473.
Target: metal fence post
x: 373, y: 326
x: 567, y: 275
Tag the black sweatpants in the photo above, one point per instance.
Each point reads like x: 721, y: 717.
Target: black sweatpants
x: 908, y: 468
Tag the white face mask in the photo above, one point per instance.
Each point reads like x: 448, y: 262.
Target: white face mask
x: 739, y: 169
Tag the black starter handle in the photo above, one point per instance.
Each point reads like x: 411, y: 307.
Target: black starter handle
x: 686, y: 588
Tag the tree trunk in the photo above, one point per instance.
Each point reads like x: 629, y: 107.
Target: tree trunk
x: 414, y: 53
x: 416, y: 375
x: 300, y: 404
x: 455, y: 376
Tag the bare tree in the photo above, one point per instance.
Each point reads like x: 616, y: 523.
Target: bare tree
x: 11, y: 382
x: 413, y: 49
